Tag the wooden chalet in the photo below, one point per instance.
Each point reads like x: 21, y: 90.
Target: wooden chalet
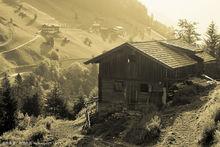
x: 136, y: 74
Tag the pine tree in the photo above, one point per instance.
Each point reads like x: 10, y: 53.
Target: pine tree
x: 33, y: 105
x: 32, y: 101
x: 18, y: 90
x: 8, y: 107
x: 18, y: 79
x: 187, y: 31
x: 213, y: 40
x: 56, y: 104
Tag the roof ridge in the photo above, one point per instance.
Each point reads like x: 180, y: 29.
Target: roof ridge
x: 151, y: 41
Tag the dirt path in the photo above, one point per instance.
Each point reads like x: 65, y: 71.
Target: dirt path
x: 22, y: 45
x: 183, y: 125
x: 183, y: 132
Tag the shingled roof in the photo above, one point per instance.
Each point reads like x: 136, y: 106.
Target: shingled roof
x: 183, y: 45
x: 205, y: 56
x: 162, y: 52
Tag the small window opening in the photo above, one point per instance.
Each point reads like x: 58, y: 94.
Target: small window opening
x: 144, y: 88
x: 119, y: 86
x: 131, y: 58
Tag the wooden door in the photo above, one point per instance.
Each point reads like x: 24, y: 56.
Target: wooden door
x: 131, y: 94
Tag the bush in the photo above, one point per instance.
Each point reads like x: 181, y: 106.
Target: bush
x: 154, y: 127
x: 80, y: 80
x: 147, y: 135
x: 136, y: 136
x: 37, y: 136
x: 109, y: 128
x: 11, y: 2
x: 217, y: 116
x: 67, y: 142
x: 78, y: 106
x: 47, y: 122
x: 208, y: 136
x: 181, y: 100
x: 49, y: 70
x: 23, y: 121
x: 54, y: 55
x: 93, y: 93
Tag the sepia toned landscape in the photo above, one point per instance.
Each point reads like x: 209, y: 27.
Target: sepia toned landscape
x: 109, y: 73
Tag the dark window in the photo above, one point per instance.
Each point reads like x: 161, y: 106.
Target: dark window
x: 132, y: 58
x: 119, y: 86
x: 144, y: 88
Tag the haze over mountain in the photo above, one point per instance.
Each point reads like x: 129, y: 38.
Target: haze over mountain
x: 200, y: 11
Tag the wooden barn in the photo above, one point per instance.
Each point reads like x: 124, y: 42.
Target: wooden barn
x: 133, y: 75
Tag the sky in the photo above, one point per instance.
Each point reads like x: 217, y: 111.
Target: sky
x: 200, y: 11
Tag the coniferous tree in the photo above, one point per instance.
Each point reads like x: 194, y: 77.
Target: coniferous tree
x: 8, y: 107
x: 56, y: 104
x: 213, y: 40
x: 187, y: 31
x: 32, y: 101
x: 33, y: 105
x: 18, y: 90
x: 18, y: 79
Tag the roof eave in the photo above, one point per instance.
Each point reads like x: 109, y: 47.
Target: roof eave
x: 99, y: 57
x: 172, y: 46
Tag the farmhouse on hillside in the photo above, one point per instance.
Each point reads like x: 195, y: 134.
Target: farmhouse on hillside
x: 136, y: 74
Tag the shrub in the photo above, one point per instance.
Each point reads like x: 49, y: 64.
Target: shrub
x: 149, y: 134
x: 37, y: 136
x: 154, y: 127
x: 109, y: 128
x: 217, y: 137
x: 11, y: 2
x: 136, y: 136
x: 64, y: 142
x: 79, y: 80
x: 54, y: 55
x: 217, y: 116
x: 181, y: 100
x: 49, y: 70
x: 47, y: 122
x: 23, y: 121
x: 93, y: 93
x: 78, y: 106
x: 40, y: 135
x: 208, y: 136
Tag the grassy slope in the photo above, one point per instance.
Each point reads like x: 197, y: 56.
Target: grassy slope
x: 128, y: 13
x: 21, y: 34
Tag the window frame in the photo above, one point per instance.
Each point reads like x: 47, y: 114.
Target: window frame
x: 119, y: 86
x: 145, y: 91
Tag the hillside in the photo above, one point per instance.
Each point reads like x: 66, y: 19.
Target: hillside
x: 129, y: 14
x: 20, y: 23
x: 182, y: 125
x: 126, y: 13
